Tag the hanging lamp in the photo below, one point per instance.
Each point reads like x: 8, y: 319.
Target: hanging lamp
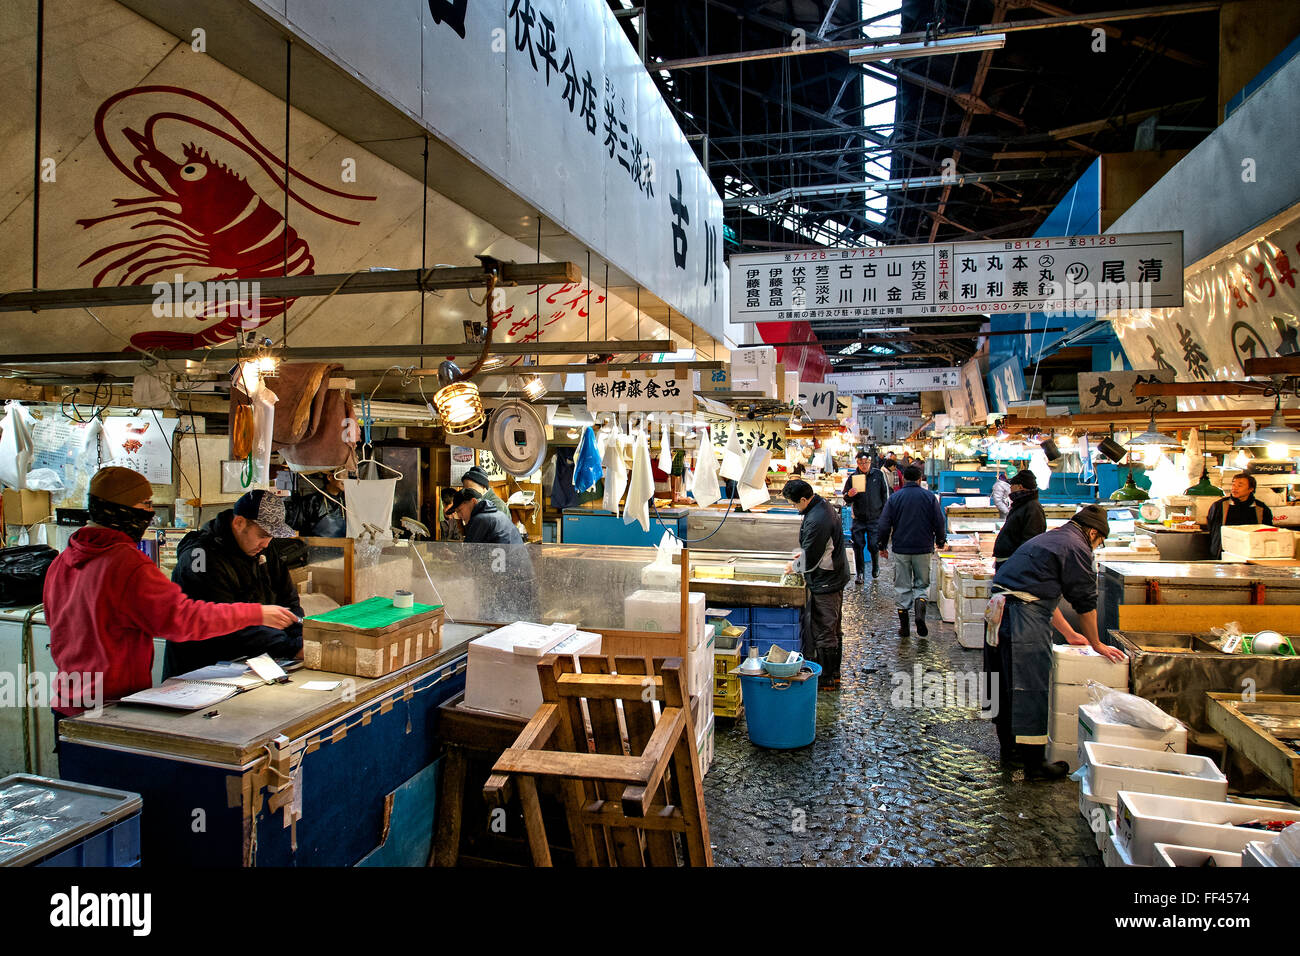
x: 1277, y: 437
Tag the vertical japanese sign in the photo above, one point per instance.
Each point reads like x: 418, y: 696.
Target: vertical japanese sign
x: 1062, y: 275
x: 821, y: 401
x: 588, y: 133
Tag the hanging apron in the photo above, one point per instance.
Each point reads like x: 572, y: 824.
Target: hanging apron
x: 1025, y: 640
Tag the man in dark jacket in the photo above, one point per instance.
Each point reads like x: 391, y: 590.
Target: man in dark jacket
x: 867, y: 506
x: 483, y: 523
x: 1018, y: 654
x: 232, y: 558
x: 1025, y: 520
x: 913, y: 518
x: 825, y: 573
x: 1241, y: 507
x: 476, y: 479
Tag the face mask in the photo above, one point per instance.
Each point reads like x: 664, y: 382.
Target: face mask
x: 130, y: 521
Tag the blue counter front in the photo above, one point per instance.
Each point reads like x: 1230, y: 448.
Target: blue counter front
x: 225, y: 796
x: 584, y: 526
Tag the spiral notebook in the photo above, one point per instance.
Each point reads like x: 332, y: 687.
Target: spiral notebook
x: 198, y: 688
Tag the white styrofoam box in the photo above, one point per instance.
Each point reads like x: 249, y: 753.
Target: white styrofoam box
x: 1073, y: 664
x: 1144, y: 819
x: 971, y: 635
x: 1115, y: 853
x: 1099, y: 816
x: 1093, y: 726
x: 648, y: 610
x: 1167, y: 854
x: 1066, y: 753
x: 947, y: 609
x: 699, y: 676
x: 1257, y: 541
x: 704, y: 747
x: 1255, y: 853
x: 972, y: 608
x: 655, y: 576
x: 1113, y: 768
x: 1067, y: 699
x: 1063, y: 727
x: 501, y: 680
x: 532, y: 640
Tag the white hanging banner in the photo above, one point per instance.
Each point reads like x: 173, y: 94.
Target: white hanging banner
x: 1246, y: 305
x: 1062, y: 274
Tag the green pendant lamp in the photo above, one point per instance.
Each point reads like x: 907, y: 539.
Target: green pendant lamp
x: 1130, y: 491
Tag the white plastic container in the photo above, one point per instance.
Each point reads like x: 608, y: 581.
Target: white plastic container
x: 1063, y: 728
x: 1067, y: 699
x: 648, y: 610
x: 1112, y: 768
x: 947, y: 609
x: 1094, y: 727
x: 1257, y: 541
x: 1145, y: 819
x: 1099, y: 816
x: 1167, y: 854
x: 1077, y: 665
x: 501, y: 675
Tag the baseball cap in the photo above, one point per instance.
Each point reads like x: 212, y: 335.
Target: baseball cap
x: 267, y: 510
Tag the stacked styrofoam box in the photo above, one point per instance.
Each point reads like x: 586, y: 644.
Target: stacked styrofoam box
x: 1114, y: 852
x: 1145, y: 819
x: 1094, y: 726
x: 501, y: 674
x: 1112, y: 768
x: 648, y: 610
x: 947, y: 589
x: 704, y: 739
x: 972, y: 598
x: 1257, y: 541
x: 1072, y: 668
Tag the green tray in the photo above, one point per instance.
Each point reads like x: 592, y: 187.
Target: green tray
x: 375, y: 612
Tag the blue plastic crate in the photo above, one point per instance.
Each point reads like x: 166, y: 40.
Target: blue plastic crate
x: 791, y: 646
x: 739, y: 616
x: 763, y: 634
x: 774, y: 615
x: 119, y: 845
x: 79, y: 824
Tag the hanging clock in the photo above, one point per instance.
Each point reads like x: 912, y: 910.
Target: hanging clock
x: 517, y: 438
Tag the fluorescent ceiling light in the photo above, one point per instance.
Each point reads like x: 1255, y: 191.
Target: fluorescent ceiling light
x: 906, y: 51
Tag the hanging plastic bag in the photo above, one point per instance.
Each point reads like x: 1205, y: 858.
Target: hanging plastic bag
x: 615, y: 474
x: 641, y: 486
x: 44, y: 479
x: 705, y: 486
x: 665, y: 451
x: 263, y: 430
x: 16, y: 446
x: 733, y: 458
x: 1285, y: 849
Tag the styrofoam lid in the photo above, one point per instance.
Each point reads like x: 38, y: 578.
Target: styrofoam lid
x: 526, y: 638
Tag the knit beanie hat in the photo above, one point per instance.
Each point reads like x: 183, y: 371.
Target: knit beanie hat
x: 121, y: 486
x: 478, y: 476
x: 1024, y: 478
x: 1093, y: 516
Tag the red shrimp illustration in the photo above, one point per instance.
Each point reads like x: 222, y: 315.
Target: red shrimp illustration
x: 211, y: 217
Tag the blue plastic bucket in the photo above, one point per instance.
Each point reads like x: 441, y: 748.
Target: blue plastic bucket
x: 781, y: 714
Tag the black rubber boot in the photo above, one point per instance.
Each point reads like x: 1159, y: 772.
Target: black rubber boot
x: 903, y: 630
x: 858, y: 580
x: 918, y: 608
x: 1037, y: 767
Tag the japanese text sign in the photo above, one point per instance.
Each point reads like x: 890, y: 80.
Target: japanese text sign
x: 1101, y: 392
x: 888, y: 381
x: 648, y: 391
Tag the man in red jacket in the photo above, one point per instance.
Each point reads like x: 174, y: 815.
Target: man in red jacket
x: 105, y: 602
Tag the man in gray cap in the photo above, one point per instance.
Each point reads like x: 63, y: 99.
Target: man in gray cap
x: 1018, y: 652
x: 233, y: 558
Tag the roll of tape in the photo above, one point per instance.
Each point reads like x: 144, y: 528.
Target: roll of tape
x: 403, y: 598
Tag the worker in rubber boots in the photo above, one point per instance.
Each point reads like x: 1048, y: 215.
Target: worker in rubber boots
x: 825, y: 570
x: 1018, y: 637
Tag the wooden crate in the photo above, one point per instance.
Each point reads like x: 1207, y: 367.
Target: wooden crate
x: 371, y: 652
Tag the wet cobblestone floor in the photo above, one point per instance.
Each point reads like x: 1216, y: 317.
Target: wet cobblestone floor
x: 884, y: 785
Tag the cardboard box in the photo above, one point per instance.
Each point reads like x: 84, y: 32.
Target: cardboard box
x: 1257, y: 541
x: 1094, y: 727
x: 26, y: 507
x: 1145, y: 819
x: 1112, y: 768
x: 371, y: 651
x: 1078, y: 665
